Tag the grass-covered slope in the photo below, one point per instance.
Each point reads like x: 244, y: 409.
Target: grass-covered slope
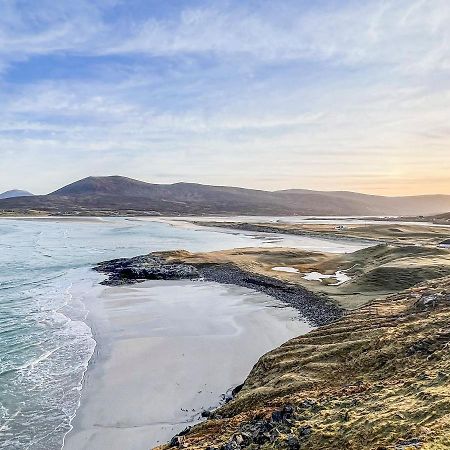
x: 377, y: 379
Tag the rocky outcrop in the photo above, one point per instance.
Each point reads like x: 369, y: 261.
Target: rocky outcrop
x: 146, y: 267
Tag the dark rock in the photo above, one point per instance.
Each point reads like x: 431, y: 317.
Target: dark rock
x: 277, y: 416
x: 288, y: 411
x: 237, y: 389
x: 261, y: 431
x: 306, y: 430
x: 177, y: 440
x: 283, y: 415
x: 147, y: 267
x: 184, y: 432
x: 292, y: 442
x: 408, y: 443
x: 230, y: 446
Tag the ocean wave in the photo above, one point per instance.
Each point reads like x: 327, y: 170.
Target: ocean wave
x: 52, y: 351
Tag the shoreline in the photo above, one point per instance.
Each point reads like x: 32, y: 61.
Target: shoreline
x: 429, y: 219
x: 94, y: 290
x: 117, y: 355
x: 254, y: 228
x: 125, y: 324
x: 425, y: 234
x: 316, y: 309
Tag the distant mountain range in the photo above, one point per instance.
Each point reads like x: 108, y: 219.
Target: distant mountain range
x: 15, y: 193
x: 115, y: 195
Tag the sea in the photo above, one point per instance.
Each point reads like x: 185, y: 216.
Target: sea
x: 45, y: 340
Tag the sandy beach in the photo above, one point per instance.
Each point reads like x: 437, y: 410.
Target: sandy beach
x: 166, y: 351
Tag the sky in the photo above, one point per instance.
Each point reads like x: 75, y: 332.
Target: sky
x: 328, y: 95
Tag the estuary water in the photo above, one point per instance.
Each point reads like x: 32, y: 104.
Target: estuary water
x: 45, y: 341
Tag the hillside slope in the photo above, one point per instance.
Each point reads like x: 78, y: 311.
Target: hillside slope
x: 121, y: 195
x: 376, y: 379
x: 15, y: 193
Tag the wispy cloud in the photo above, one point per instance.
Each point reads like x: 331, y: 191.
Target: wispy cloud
x: 299, y: 93
x: 388, y: 32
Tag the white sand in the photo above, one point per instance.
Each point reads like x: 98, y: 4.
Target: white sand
x: 340, y: 277
x: 166, y: 351
x: 285, y: 269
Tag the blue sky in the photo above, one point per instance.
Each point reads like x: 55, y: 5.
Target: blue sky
x: 323, y: 95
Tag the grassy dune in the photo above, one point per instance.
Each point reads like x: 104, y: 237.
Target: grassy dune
x: 374, y: 272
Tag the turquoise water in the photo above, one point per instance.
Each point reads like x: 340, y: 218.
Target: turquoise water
x: 44, y: 340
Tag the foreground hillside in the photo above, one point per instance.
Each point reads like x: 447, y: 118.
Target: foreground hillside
x: 124, y: 196
x: 379, y: 378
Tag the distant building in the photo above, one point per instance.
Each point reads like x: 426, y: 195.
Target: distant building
x: 445, y: 244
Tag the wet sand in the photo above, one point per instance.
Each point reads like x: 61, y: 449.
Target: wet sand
x: 167, y: 350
